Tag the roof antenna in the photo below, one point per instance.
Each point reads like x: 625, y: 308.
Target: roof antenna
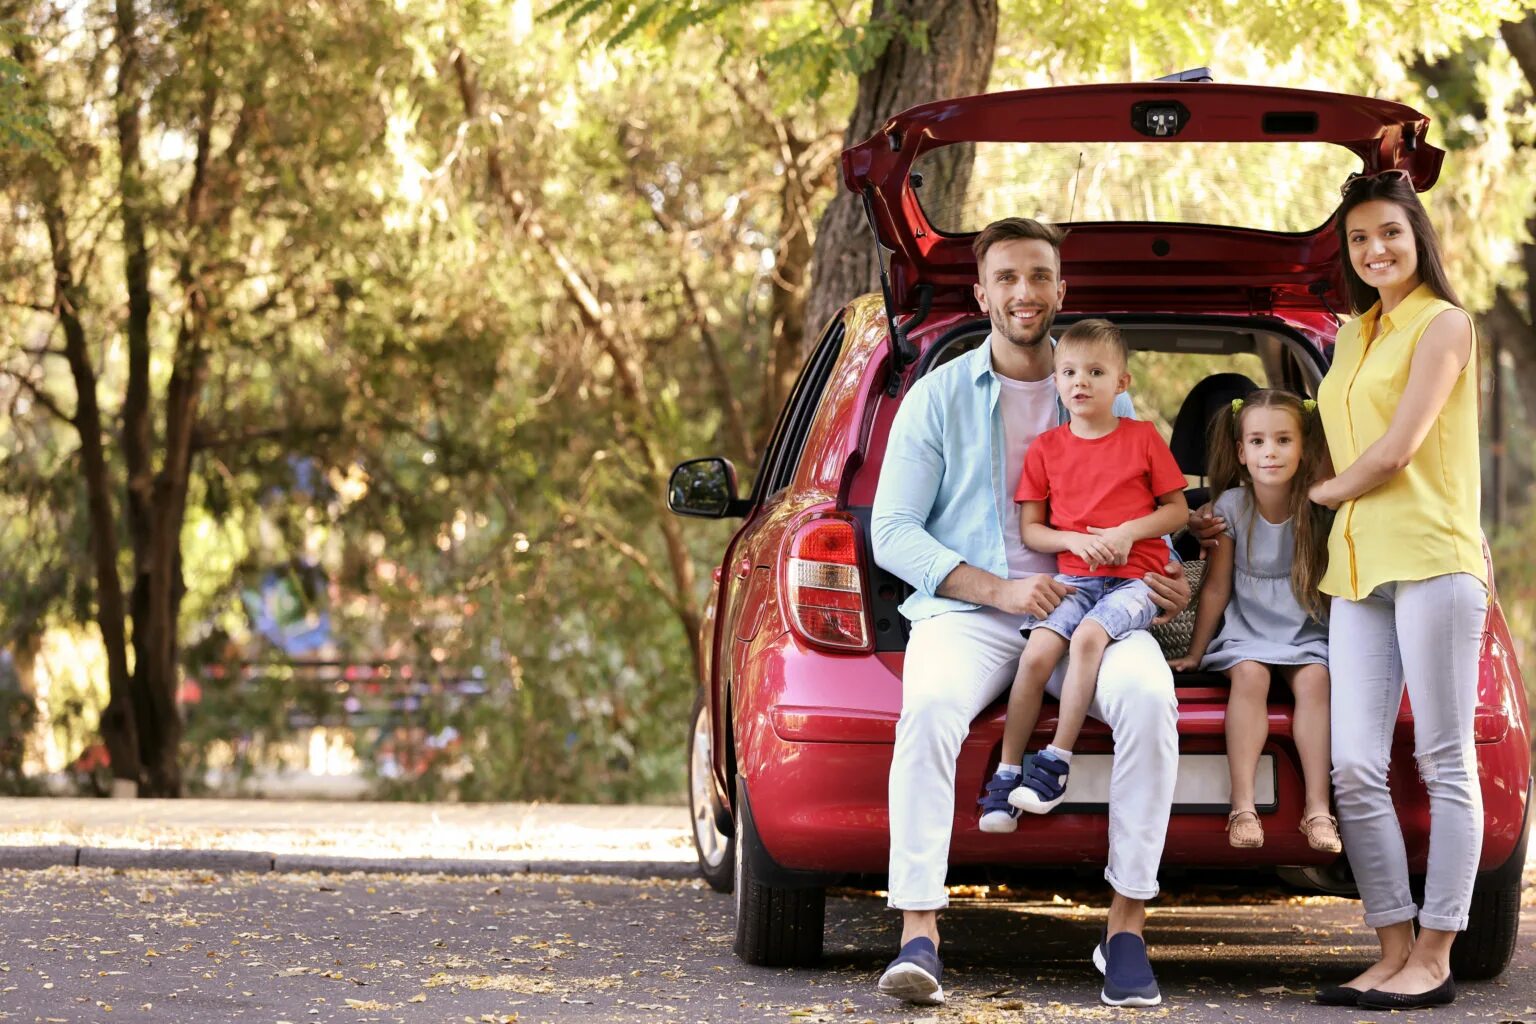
x: 1078, y: 176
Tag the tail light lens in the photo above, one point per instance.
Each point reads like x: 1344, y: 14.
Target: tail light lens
x: 824, y: 585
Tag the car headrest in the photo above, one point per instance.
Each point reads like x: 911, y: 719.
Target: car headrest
x: 1192, y: 425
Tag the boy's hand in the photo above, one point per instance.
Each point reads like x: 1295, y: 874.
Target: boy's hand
x: 1118, y: 540
x: 1093, y: 550
x: 1206, y: 525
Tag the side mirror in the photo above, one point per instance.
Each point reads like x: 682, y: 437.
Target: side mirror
x: 705, y: 488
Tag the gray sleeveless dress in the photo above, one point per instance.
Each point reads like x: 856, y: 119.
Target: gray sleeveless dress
x: 1263, y: 621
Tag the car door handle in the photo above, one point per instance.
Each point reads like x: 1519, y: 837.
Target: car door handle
x: 744, y: 568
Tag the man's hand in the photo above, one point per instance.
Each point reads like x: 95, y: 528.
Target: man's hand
x: 1118, y: 541
x: 1036, y: 595
x: 1206, y: 525
x: 1170, y: 592
x: 1096, y: 551
x: 1321, y: 493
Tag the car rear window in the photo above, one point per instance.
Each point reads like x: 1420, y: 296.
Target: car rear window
x: 1268, y: 186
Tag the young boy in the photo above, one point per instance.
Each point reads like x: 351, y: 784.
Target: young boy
x: 1100, y: 492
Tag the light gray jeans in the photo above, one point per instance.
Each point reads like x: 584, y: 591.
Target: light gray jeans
x: 959, y: 662
x: 1426, y: 633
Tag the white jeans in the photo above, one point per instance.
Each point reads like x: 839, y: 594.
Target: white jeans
x: 1424, y: 634
x: 957, y: 663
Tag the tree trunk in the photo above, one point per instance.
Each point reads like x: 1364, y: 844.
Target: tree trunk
x: 962, y: 37
x: 787, y: 298
x: 118, y: 726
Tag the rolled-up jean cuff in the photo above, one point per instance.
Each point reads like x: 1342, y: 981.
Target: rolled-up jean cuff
x: 1443, y: 924
x: 1383, y: 918
x: 1129, y: 892
x: 938, y: 904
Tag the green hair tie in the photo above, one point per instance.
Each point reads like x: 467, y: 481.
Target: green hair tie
x: 1237, y: 406
x: 1309, y: 404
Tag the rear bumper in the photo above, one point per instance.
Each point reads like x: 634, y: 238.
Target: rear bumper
x: 818, y: 777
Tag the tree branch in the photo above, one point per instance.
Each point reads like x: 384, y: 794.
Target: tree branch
x: 39, y: 396
x: 207, y: 440
x: 632, y: 554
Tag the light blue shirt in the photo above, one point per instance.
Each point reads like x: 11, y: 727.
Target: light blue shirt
x: 941, y: 498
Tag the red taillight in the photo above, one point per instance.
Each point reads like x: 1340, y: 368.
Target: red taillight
x: 823, y: 586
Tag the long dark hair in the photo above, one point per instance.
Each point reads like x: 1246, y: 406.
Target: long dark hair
x: 1309, y: 522
x: 1397, y: 189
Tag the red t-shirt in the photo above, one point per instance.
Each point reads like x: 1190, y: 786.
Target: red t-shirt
x: 1102, y: 482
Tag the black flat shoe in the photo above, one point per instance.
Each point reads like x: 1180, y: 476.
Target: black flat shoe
x: 1338, y: 995
x: 1442, y: 994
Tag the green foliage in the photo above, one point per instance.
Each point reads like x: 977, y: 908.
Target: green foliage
x: 23, y: 123
x: 804, y: 46
x: 456, y: 355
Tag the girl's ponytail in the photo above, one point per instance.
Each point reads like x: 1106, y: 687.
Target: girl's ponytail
x: 1223, y: 469
x: 1311, y: 521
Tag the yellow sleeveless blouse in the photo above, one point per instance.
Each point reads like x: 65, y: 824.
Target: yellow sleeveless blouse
x: 1423, y: 522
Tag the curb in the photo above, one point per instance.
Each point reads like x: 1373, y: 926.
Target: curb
x: 27, y: 858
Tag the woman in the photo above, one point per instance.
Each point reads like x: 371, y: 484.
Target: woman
x: 1406, y: 573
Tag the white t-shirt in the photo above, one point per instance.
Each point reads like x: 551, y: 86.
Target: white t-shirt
x: 1029, y: 410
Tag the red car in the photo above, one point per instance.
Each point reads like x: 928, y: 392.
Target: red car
x: 1176, y: 236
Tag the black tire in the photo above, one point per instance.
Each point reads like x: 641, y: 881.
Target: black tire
x: 1485, y: 949
x: 776, y: 926
x: 716, y: 851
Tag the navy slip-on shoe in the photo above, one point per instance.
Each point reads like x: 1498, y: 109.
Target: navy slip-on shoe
x: 1128, y: 977
x: 915, y: 974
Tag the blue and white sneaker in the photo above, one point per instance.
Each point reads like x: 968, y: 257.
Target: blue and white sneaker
x: 997, y: 814
x: 1128, y: 977
x: 1043, y: 785
x: 915, y: 974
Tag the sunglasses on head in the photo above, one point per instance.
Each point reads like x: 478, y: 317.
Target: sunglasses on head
x: 1390, y: 174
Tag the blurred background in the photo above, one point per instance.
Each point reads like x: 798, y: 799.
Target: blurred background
x: 346, y: 345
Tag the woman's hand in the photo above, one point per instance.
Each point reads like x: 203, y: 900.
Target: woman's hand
x: 1206, y: 525
x: 1189, y: 663
x: 1321, y: 493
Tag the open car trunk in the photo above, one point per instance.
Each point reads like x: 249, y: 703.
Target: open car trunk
x: 1169, y: 190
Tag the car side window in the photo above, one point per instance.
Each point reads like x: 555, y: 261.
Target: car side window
x: 794, y: 424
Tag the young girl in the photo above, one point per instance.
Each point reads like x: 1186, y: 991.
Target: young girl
x: 1264, y: 574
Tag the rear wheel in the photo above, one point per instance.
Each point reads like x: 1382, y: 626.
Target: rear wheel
x: 716, y: 850
x: 1488, y: 944
x: 776, y: 926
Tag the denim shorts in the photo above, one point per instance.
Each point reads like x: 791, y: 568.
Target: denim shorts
x: 1120, y: 605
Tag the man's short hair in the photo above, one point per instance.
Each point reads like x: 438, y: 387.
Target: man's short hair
x: 1011, y: 229
x: 1097, y: 332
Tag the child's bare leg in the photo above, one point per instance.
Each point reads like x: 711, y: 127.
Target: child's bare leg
x: 1042, y: 653
x: 1088, y: 643
x: 1247, y: 728
x: 1310, y: 685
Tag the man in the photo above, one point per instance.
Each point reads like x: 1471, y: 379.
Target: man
x: 945, y: 522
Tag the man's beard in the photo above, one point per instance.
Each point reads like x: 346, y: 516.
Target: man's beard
x: 1027, y: 335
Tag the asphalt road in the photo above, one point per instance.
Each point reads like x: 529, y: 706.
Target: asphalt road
x: 82, y: 945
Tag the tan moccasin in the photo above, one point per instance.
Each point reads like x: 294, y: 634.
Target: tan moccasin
x: 1322, y: 832
x: 1244, y: 830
